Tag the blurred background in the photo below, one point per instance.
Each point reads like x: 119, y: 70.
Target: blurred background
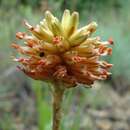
x: 104, y: 107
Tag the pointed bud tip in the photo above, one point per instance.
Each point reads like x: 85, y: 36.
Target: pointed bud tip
x: 14, y: 45
x: 94, y: 24
x: 75, y: 13
x: 66, y: 11
x: 110, y: 40
x: 25, y: 22
x: 48, y: 13
x: 20, y: 35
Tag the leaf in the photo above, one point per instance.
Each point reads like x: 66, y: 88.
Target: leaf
x: 43, y: 109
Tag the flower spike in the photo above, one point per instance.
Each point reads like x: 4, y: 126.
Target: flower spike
x: 61, y: 52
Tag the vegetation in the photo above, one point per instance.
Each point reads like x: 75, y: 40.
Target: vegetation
x: 18, y: 93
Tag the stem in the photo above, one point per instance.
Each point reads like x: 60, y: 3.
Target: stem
x: 57, y: 101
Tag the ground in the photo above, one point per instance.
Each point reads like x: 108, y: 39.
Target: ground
x: 97, y: 108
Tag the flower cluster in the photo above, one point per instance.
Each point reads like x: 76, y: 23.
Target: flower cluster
x: 59, y: 51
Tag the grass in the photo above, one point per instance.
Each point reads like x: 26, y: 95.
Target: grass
x: 43, y: 108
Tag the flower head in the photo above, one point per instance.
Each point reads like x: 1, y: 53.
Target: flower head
x: 59, y: 51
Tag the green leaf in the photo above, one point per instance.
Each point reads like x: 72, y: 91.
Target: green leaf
x: 43, y: 109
